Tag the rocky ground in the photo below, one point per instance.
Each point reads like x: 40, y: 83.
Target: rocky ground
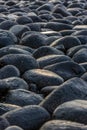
x: 43, y: 65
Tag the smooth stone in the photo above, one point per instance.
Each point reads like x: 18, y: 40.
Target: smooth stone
x: 18, y: 30
x: 9, y: 71
x: 2, y: 20
x: 66, y: 69
x: 39, y: 3
x: 58, y: 26
x: 3, y: 9
x: 22, y: 20
x: 21, y: 61
x: 33, y: 88
x: 72, y: 89
x: 75, y: 5
x: 84, y: 77
x: 7, y: 38
x: 46, y: 17
x: 3, y: 123
x: 52, y: 59
x: 42, y: 78
x: 67, y: 32
x: 15, y: 10
x: 84, y: 65
x: 10, y: 3
x: 29, y: 33
x: 7, y: 24
x: 62, y: 125
x: 77, y: 22
x: 73, y: 11
x: 72, y: 18
x: 22, y: 97
x: 75, y: 110
x: 4, y: 107
x: 46, y: 50
x: 61, y: 21
x: 32, y: 117
x: 33, y: 40
x: 80, y: 27
x: 80, y: 56
x: 26, y: 48
x: 43, y: 12
x: 35, y: 18
x: 12, y: 17
x: 13, y: 50
x: 14, y: 83
x: 82, y: 38
x: 41, y: 24
x: 81, y: 15
x: 80, y: 32
x: 45, y: 7
x: 51, y: 33
x: 57, y: 15
x: 85, y: 21
x: 61, y: 11
x: 34, y: 26
x: 13, y: 128
x: 51, y: 39
x: 67, y: 41
x: 75, y: 49
x: 48, y: 89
